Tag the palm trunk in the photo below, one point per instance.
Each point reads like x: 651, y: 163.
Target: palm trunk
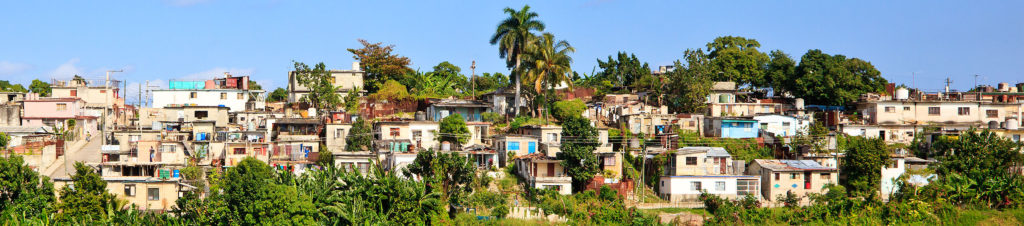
x: 516, y: 71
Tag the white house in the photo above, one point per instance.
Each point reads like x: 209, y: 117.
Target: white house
x: 692, y: 170
x: 235, y: 99
x: 783, y: 125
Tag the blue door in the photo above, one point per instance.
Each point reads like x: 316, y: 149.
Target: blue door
x: 532, y: 147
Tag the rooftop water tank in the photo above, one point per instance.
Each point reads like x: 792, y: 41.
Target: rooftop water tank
x: 421, y: 116
x: 799, y: 103
x: 902, y: 94
x: 1012, y: 123
x: 1004, y: 87
x: 993, y: 124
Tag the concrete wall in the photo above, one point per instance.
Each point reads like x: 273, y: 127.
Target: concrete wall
x: 891, y: 172
x: 335, y: 136
x: 898, y: 112
x: 206, y: 97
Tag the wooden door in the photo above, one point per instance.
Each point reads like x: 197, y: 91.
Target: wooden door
x: 551, y: 169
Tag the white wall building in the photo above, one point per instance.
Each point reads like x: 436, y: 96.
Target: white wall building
x: 783, y: 125
x: 235, y: 99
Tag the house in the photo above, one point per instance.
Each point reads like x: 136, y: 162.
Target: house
x: 548, y: 135
x: 783, y: 125
x: 147, y: 193
x: 650, y: 124
x: 511, y: 145
x: 55, y: 112
x: 344, y: 80
x: 398, y: 136
x: 359, y: 161
x: 335, y: 135
x: 20, y: 135
x: 483, y: 156
x: 725, y: 100
x: 501, y: 100
x: 692, y: 170
x: 799, y: 177
x: 470, y: 110
x: 610, y: 164
x: 235, y: 99
x: 543, y: 172
x: 11, y: 97
x: 731, y: 127
x: 295, y: 142
x: 102, y: 98
x: 239, y: 145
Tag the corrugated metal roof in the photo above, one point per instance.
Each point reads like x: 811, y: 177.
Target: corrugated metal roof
x: 790, y: 165
x: 711, y: 151
x: 24, y: 129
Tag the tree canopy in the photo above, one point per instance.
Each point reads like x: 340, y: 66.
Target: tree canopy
x: 249, y: 196
x: 40, y: 87
x: 579, y: 140
x: 690, y: 83
x: 826, y: 79
x: 360, y: 137
x: 379, y: 64
x: 90, y: 195
x: 862, y: 165
x: 278, y: 95
x: 322, y: 93
x: 454, y: 130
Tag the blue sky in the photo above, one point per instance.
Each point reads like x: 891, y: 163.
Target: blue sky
x: 200, y: 39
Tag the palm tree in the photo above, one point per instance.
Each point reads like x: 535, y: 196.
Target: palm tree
x: 512, y: 37
x: 548, y: 64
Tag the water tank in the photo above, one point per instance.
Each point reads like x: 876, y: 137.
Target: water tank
x: 993, y: 125
x: 902, y: 94
x: 1004, y: 87
x: 421, y: 116
x: 1012, y: 123
x: 799, y: 103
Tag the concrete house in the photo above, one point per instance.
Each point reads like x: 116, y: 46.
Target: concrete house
x: 402, y: 136
x: 549, y: 136
x: 783, y: 125
x: 800, y: 177
x: 344, y: 80
x: 55, y: 112
x: 296, y: 141
x: 543, y: 172
x: 511, y: 145
x: 725, y: 100
x: 692, y: 170
x: 731, y: 128
x: 102, y: 97
x: 470, y: 110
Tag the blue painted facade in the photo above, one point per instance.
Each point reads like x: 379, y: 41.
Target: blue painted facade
x: 739, y: 128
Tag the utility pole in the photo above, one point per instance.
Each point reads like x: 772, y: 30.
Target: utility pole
x: 107, y: 98
x: 472, y: 78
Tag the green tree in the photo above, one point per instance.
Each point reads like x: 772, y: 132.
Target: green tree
x: 454, y: 130
x: 735, y: 58
x: 833, y: 79
x: 248, y: 196
x: 40, y: 87
x: 322, y: 94
x: 379, y: 64
x: 978, y: 155
x: 862, y: 166
x: 578, y: 159
x: 448, y: 173
x: 566, y: 109
x: 779, y: 71
x: 690, y: 84
x: 391, y: 90
x: 624, y: 70
x: 490, y: 82
x: 278, y: 95
x: 4, y: 141
x: 6, y: 86
x: 513, y: 35
x: 86, y: 196
x: 326, y: 157
x: 253, y: 85
x: 360, y: 137
x: 23, y: 190
x: 352, y: 100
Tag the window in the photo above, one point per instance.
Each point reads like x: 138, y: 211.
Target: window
x: 153, y: 194
x: 241, y: 96
x: 764, y: 126
x: 963, y: 111
x: 890, y: 109
x: 193, y: 95
x: 695, y: 185
x: 74, y: 93
x: 553, y: 137
x: 785, y: 124
x: 338, y: 133
x: 394, y: 132
x: 103, y: 91
x: 933, y: 111
x: 992, y: 113
x: 512, y: 146
x: 201, y: 114
x: 691, y: 123
x: 776, y: 176
x: 1016, y: 137
x: 62, y: 107
x: 129, y: 190
x: 223, y: 96
x: 826, y: 176
x: 691, y: 161
x: 792, y: 176
x: 239, y: 151
x: 720, y: 186
x: 906, y: 108
x: 609, y: 161
x: 417, y: 135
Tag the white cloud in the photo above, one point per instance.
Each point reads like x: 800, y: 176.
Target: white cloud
x: 218, y: 72
x: 67, y: 70
x: 10, y: 68
x: 185, y: 3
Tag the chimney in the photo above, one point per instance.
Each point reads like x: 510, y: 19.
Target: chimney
x: 355, y: 66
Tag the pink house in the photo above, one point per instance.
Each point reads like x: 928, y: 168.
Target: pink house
x: 56, y: 111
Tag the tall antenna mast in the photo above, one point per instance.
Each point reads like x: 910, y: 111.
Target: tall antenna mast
x: 472, y: 78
